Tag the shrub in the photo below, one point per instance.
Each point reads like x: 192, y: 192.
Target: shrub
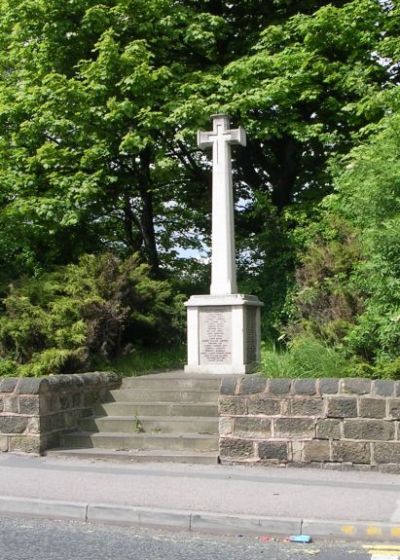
x: 102, y: 306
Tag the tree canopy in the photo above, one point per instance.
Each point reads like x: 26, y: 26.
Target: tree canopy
x: 100, y: 103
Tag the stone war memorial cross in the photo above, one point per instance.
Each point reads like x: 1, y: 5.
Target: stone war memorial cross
x: 223, y: 327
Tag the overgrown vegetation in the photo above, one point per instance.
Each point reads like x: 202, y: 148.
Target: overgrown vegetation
x: 102, y: 307
x: 99, y: 107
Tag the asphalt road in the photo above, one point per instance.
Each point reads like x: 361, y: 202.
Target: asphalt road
x: 34, y: 539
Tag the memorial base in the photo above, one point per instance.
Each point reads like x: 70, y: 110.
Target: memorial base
x: 223, y: 334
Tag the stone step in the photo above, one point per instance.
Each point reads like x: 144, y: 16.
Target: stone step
x: 150, y: 424
x: 157, y: 409
x: 161, y: 383
x: 148, y: 395
x: 122, y: 442
x: 150, y: 456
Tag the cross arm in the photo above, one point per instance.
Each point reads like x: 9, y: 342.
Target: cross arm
x: 238, y: 136
x: 205, y: 139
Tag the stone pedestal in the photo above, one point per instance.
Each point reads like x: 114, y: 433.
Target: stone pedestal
x: 223, y: 334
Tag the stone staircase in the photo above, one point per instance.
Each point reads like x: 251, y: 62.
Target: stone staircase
x: 168, y: 417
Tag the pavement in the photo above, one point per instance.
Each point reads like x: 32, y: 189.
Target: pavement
x: 205, y: 498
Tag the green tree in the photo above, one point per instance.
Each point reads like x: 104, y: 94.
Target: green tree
x: 99, y: 103
x: 348, y: 288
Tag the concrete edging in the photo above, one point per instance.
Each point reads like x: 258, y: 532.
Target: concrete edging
x: 201, y: 522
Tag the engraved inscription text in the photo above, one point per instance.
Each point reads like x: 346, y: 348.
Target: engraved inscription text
x: 215, y: 335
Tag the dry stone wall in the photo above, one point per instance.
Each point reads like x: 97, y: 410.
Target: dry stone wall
x: 35, y: 411
x: 328, y: 423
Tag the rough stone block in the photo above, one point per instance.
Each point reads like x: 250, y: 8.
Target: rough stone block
x: 394, y: 408
x: 13, y: 424
x: 27, y: 444
x: 372, y: 408
x: 46, y: 423
x: 263, y: 405
x: 235, y: 406
x: 351, y: 451
x: 304, y: 387
x: 297, y: 452
x: 57, y: 421
x: 316, y: 450
x: 10, y: 404
x: 30, y: 385
x: 3, y: 444
x: 8, y: 384
x: 34, y: 425
x: 328, y: 429
x: 29, y: 405
x: 397, y: 389
x: 252, y: 427
x: 252, y: 384
x: 279, y: 386
x: 383, y: 388
x: 228, y: 386
x: 236, y: 448
x: 225, y: 426
x: 65, y: 401
x: 355, y: 386
x: 368, y: 429
x: 273, y: 450
x: 307, y: 406
x: 329, y: 386
x: 1, y: 404
x: 71, y: 419
x: 342, y: 407
x: 294, y: 427
x: 385, y: 452
x: 49, y: 441
x: 77, y: 400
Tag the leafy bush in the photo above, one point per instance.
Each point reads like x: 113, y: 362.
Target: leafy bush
x: 348, y: 285
x: 102, y: 306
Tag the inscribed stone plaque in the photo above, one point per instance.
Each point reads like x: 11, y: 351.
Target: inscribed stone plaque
x: 215, y: 335
x: 251, y: 335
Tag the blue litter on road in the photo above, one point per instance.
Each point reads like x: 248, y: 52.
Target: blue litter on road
x: 300, y: 539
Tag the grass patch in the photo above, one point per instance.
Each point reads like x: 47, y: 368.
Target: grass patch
x: 305, y: 357
x: 146, y: 360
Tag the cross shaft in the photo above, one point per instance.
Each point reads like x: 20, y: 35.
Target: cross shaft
x: 223, y: 265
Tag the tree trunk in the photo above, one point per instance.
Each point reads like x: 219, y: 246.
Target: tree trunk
x: 147, y: 213
x: 284, y: 172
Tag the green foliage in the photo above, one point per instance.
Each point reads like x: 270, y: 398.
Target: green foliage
x: 348, y: 287
x: 99, y: 106
x: 103, y: 306
x: 305, y: 356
